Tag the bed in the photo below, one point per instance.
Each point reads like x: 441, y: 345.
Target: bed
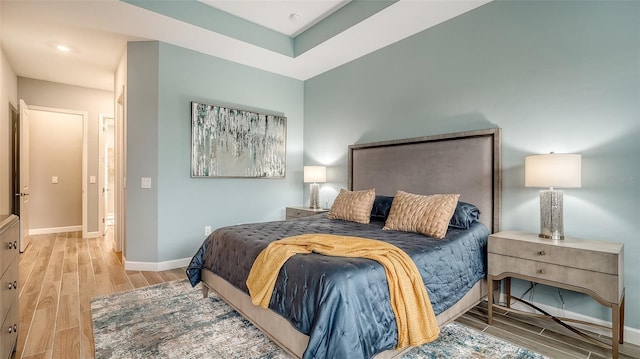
x: 310, y: 314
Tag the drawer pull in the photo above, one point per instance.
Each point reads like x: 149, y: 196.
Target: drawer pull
x: 15, y: 245
x: 10, y: 245
x: 542, y: 271
x: 10, y: 329
x: 541, y: 253
x: 15, y: 328
x: 10, y: 285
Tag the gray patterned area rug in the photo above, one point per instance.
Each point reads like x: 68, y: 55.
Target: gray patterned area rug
x: 173, y: 320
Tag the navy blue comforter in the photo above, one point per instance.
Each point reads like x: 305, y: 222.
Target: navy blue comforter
x: 342, y: 304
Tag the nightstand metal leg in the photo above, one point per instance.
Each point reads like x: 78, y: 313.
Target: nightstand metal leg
x: 622, y: 319
x: 507, y: 289
x: 489, y: 300
x: 615, y: 329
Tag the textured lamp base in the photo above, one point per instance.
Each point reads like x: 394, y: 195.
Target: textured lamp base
x: 551, y: 225
x: 314, y: 196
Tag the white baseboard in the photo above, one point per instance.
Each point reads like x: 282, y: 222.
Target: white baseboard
x: 36, y: 231
x: 631, y: 335
x: 155, y: 266
x: 95, y: 234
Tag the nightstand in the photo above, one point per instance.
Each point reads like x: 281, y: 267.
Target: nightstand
x: 586, y: 266
x: 299, y: 212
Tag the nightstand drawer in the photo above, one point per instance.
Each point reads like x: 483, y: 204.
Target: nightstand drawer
x: 300, y: 212
x: 569, y: 253
x: 606, y: 286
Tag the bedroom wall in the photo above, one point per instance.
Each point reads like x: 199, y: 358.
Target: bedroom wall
x: 186, y: 205
x: 555, y: 76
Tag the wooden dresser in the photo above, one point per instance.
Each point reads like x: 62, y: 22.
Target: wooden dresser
x: 9, y: 242
x: 586, y: 266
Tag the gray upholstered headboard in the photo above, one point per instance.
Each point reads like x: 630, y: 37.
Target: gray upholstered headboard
x: 468, y: 163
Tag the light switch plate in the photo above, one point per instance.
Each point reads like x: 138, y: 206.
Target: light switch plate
x: 54, y: 179
x: 92, y: 179
x: 145, y: 182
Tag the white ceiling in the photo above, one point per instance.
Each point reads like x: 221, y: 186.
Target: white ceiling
x: 277, y: 15
x: 97, y: 32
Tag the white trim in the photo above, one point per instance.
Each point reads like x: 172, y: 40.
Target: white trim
x: 52, y: 230
x: 92, y: 235
x: 85, y: 148
x: 102, y: 185
x: 631, y: 335
x: 156, y: 266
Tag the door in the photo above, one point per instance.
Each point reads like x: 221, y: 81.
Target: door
x: 24, y: 175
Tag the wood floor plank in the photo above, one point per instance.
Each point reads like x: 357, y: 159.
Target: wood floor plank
x: 103, y: 284
x: 44, y: 355
x: 54, y: 269
x: 67, y: 344
x: 68, y: 315
x: 137, y: 280
x: 152, y: 277
x: 87, y: 349
x: 49, y: 295
x: 40, y: 337
x: 87, y: 285
x: 83, y: 252
x: 70, y: 263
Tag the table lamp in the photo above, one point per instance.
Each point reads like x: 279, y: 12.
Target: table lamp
x: 313, y: 175
x: 553, y: 170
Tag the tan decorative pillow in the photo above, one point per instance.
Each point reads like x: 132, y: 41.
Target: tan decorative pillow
x: 354, y: 206
x: 428, y: 215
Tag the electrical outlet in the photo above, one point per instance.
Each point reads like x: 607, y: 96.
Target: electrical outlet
x: 207, y: 230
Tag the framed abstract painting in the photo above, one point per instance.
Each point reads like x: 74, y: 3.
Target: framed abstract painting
x: 228, y: 142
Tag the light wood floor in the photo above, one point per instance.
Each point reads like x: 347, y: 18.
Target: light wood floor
x: 60, y: 273
x: 58, y: 276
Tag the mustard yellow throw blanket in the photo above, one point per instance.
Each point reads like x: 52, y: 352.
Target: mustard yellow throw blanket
x: 409, y: 299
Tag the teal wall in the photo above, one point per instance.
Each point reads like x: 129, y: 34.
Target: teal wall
x: 167, y: 222
x: 555, y: 76
x: 142, y: 151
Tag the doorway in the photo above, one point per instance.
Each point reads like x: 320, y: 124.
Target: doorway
x: 57, y: 171
x: 107, y: 175
x: 14, y: 137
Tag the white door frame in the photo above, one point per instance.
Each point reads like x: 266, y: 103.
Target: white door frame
x: 84, y: 114
x: 23, y: 180
x: 102, y: 185
x: 120, y: 190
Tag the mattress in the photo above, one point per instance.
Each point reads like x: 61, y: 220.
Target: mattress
x: 342, y: 304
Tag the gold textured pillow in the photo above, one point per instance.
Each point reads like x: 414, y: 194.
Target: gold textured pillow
x: 354, y: 206
x: 428, y: 215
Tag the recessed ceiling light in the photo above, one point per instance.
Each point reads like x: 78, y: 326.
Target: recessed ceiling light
x: 63, y: 48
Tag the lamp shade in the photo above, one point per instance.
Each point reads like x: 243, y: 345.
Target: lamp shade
x: 315, y: 174
x: 553, y: 170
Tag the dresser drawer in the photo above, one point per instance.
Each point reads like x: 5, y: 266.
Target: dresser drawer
x: 9, y: 333
x: 607, y: 286
x: 9, y: 245
x: 8, y: 292
x: 569, y: 253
